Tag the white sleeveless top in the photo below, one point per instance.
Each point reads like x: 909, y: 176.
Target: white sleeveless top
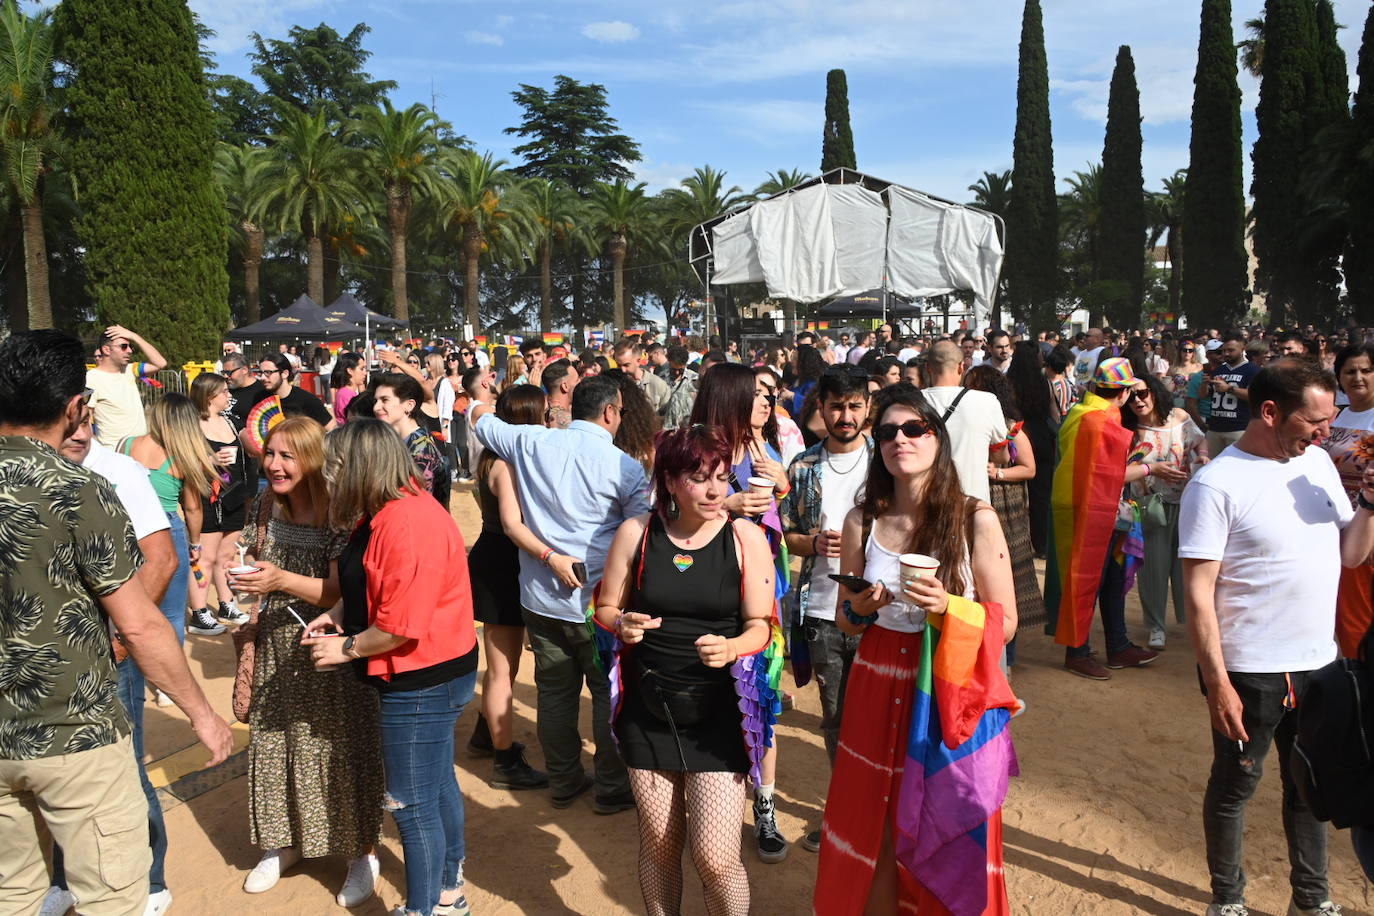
x: 901, y: 614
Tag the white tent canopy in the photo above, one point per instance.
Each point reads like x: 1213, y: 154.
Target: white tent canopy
x: 824, y: 239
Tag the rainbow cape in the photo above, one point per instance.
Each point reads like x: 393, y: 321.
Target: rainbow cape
x: 959, y: 756
x: 1087, y: 489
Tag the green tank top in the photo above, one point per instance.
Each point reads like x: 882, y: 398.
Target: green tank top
x: 167, y: 487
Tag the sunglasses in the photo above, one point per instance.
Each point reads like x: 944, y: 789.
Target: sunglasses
x: 912, y: 429
x: 1187, y: 349
x: 261, y: 372
x: 1140, y: 395
x: 413, y: 362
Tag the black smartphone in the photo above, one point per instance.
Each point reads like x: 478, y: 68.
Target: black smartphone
x: 580, y: 570
x: 853, y: 583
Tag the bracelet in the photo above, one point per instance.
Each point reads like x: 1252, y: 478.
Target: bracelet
x: 856, y: 619
x: 1147, y: 469
x: 193, y: 547
x: 814, y: 551
x: 1362, y: 502
x: 544, y: 557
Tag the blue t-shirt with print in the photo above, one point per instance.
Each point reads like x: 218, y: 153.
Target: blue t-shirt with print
x: 1231, y: 414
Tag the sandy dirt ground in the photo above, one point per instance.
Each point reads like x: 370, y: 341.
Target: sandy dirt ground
x: 1105, y: 818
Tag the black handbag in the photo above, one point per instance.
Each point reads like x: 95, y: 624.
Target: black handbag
x: 681, y: 702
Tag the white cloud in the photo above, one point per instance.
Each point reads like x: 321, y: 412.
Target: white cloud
x: 659, y: 175
x: 610, y: 32
x: 502, y: 22
x: 766, y: 117
x: 234, y: 22
x: 483, y: 38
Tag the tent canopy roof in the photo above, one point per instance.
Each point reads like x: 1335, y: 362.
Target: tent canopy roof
x: 303, y: 320
x: 347, y: 308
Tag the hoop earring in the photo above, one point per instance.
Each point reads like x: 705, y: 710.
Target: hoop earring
x: 673, y: 511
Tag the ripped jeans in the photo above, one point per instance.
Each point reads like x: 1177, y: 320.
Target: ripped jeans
x: 1236, y: 773
x: 422, y: 788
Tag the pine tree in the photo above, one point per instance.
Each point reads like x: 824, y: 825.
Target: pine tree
x: 1359, y: 246
x: 1289, y: 77
x: 1122, y: 233
x: 143, y: 137
x: 1031, y: 267
x: 837, y: 141
x: 1213, y: 226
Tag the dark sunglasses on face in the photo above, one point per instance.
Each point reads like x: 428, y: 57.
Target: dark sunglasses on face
x: 1187, y: 349
x: 912, y: 429
x: 1142, y: 394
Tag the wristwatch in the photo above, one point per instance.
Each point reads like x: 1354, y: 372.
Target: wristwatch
x: 348, y: 647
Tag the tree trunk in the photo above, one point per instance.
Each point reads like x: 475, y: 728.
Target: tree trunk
x: 1175, y: 249
x: 398, y: 218
x: 16, y: 289
x: 546, y: 285
x: 618, y: 247
x: 333, y: 271
x: 472, y: 254
x: 256, y: 240
x: 36, y: 262
x: 315, y: 267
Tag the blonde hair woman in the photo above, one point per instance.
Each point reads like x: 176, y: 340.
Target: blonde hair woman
x: 408, y: 628
x: 517, y: 372
x: 314, y: 765
x: 223, y: 518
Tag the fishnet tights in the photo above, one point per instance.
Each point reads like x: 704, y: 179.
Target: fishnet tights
x: 705, y: 809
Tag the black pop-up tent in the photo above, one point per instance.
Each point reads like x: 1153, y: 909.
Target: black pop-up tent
x: 301, y: 320
x: 348, y: 308
x: 876, y: 303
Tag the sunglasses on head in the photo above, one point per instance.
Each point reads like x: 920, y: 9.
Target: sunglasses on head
x: 912, y: 429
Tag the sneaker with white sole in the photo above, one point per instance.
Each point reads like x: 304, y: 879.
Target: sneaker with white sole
x: 230, y: 615
x: 772, y: 848
x: 1325, y: 908
x: 58, y: 902
x: 459, y: 907
x: 267, y: 872
x: 1156, y: 640
x: 203, y: 623
x: 158, y: 903
x: 1227, y: 909
x: 361, y: 880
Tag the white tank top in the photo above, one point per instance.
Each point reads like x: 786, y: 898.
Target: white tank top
x: 882, y: 565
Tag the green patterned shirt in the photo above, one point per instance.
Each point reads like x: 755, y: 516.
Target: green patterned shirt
x: 65, y: 541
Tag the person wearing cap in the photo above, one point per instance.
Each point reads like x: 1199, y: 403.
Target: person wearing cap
x: 1088, y: 479
x: 1228, y: 384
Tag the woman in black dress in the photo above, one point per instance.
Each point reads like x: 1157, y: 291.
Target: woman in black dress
x: 495, y: 572
x: 676, y: 593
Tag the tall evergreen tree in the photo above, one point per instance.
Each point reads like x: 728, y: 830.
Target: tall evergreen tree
x: 144, y: 146
x: 1213, y: 295
x: 570, y: 136
x: 1328, y: 117
x: 837, y: 141
x: 318, y: 70
x: 1290, y: 79
x: 1031, y: 264
x: 1122, y: 233
x: 1359, y: 246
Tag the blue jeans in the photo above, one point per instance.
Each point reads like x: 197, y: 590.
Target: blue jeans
x: 422, y: 788
x: 178, y: 590
x: 1111, y: 605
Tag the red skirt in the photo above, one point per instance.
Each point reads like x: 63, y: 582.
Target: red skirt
x: 866, y: 782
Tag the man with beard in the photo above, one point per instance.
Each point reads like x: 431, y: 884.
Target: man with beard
x: 826, y: 480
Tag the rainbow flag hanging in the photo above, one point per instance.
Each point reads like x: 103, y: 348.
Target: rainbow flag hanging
x: 960, y: 756
x: 552, y: 337
x: 1087, y: 489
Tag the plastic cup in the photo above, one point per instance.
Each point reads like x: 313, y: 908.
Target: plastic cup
x: 916, y: 565
x: 233, y: 451
x: 762, y: 485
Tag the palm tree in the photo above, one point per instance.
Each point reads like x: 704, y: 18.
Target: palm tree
x: 621, y: 213
x: 240, y: 171
x: 701, y: 196
x: 1252, y: 48
x: 780, y: 181
x: 401, y: 153
x: 28, y: 141
x: 311, y: 182
x: 481, y: 202
x: 554, y: 211
x: 1080, y: 212
x: 992, y: 193
x: 1164, y: 212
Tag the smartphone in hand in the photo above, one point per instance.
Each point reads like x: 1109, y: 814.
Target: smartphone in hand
x: 580, y: 571
x: 853, y: 583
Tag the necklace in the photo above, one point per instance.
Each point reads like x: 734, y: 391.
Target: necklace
x: 859, y: 455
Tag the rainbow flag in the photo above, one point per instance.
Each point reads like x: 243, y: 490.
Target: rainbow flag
x: 552, y: 337
x: 1087, y: 488
x: 960, y: 756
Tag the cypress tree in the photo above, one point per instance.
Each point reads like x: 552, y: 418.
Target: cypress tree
x: 1359, y: 245
x: 1328, y: 107
x: 143, y: 135
x: 837, y: 142
x: 1121, y: 238
x: 1213, y: 226
x: 1031, y: 264
x: 1288, y: 80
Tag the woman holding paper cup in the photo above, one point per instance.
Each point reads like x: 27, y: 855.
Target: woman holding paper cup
x: 923, y: 545
x: 224, y: 515
x: 314, y: 754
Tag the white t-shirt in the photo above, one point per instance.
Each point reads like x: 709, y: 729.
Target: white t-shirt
x: 838, y: 492
x: 908, y: 353
x: 131, y: 485
x: 444, y: 397
x: 1276, y: 528
x: 974, y: 427
x: 118, y: 409
x: 483, y: 360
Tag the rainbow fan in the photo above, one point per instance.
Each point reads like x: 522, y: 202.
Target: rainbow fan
x: 266, y: 414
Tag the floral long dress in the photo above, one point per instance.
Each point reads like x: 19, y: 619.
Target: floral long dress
x: 314, y: 756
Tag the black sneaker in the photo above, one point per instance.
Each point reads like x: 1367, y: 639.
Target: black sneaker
x: 518, y: 775
x: 230, y: 616
x: 771, y: 846
x: 614, y: 804
x: 812, y: 841
x: 203, y: 623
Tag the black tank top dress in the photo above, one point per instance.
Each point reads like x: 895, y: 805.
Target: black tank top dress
x: 695, y: 592
x: 494, y: 566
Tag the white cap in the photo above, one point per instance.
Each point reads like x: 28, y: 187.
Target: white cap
x: 1213, y: 345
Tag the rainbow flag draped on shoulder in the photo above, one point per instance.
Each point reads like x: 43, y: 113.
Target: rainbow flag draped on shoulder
x: 960, y: 756
x: 1093, y: 446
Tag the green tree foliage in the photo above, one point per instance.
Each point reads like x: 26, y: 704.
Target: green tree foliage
x: 555, y: 218
x: 318, y: 70
x: 1031, y: 264
x: 240, y: 171
x: 1164, y: 216
x: 482, y: 207
x: 1359, y: 246
x: 780, y: 181
x: 1122, y: 232
x: 1322, y: 231
x: 143, y: 143
x: 620, y: 214
x: 1213, y: 222
x: 571, y: 136
x: 837, y: 140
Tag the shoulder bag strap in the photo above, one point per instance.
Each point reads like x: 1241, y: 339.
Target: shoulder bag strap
x: 953, y: 404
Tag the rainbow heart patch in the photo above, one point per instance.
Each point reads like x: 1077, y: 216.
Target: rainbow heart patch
x: 682, y: 561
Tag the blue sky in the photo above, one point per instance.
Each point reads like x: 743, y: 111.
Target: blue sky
x: 740, y: 85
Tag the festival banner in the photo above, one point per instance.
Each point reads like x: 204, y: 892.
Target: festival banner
x: 553, y: 337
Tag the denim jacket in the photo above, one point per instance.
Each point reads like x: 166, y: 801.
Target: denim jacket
x: 801, y: 510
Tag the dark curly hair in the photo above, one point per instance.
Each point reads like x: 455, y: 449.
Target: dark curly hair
x: 639, y: 422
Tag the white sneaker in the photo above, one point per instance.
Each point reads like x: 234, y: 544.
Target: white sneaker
x: 1227, y: 909
x: 158, y: 903
x: 267, y: 872
x: 58, y: 902
x: 1156, y: 639
x: 362, y: 877
x: 1325, y: 908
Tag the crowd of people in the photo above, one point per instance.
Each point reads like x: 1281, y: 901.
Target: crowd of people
x: 643, y: 508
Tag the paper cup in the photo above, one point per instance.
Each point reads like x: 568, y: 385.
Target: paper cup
x: 242, y: 570
x: 762, y: 485
x: 916, y: 565
x: 233, y: 451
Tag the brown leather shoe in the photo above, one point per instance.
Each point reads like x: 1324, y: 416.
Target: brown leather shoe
x: 1131, y: 657
x: 1088, y: 667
